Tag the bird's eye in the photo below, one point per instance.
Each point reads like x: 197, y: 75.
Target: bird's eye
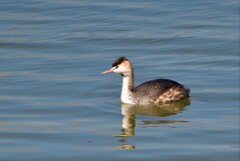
x: 116, y: 66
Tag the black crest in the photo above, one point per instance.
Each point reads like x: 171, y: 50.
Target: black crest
x: 119, y: 61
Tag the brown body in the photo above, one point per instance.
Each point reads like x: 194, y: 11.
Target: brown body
x: 160, y: 90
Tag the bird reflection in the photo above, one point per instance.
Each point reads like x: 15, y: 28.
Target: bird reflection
x: 129, y: 113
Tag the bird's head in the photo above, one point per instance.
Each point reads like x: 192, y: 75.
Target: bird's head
x: 121, y: 66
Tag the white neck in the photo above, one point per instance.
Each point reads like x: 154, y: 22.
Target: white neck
x: 127, y: 89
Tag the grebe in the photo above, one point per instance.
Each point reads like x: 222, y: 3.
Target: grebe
x: 150, y: 92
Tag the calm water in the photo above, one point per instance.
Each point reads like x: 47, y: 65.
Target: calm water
x: 56, y: 106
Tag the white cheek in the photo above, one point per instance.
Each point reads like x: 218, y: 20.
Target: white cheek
x: 120, y: 69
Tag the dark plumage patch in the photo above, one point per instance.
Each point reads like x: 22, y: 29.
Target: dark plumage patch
x: 162, y: 90
x: 119, y: 61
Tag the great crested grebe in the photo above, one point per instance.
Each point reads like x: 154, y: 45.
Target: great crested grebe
x: 150, y: 92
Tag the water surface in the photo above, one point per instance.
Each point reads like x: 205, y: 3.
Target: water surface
x: 55, y: 104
